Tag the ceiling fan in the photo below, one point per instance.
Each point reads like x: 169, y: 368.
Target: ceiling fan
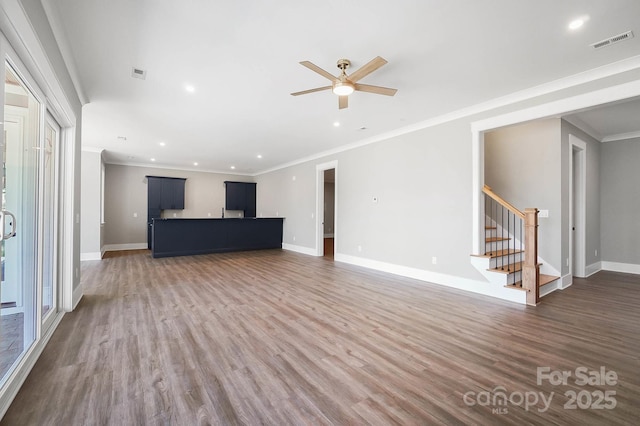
x: 344, y: 84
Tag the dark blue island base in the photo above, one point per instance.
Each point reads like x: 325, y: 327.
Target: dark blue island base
x: 183, y: 237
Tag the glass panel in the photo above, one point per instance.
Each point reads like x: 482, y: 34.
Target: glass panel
x: 49, y: 299
x: 18, y: 226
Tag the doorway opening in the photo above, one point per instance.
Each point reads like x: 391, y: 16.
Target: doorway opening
x: 326, y: 209
x: 329, y: 212
x: 577, y: 206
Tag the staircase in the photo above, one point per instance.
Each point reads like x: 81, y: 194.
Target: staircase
x: 510, y: 258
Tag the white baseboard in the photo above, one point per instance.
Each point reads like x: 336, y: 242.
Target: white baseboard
x: 593, y: 268
x: 119, y: 247
x: 90, y: 256
x: 77, y: 295
x: 16, y: 379
x: 566, y: 281
x: 628, y: 268
x: 466, y: 284
x: 299, y: 249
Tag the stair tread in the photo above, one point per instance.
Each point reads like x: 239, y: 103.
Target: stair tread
x: 494, y: 239
x: 498, y: 253
x: 516, y: 286
x: 508, y: 269
x: 547, y: 279
x: 490, y: 227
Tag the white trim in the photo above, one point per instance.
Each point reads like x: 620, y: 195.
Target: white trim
x: 119, y: 247
x: 566, y: 281
x: 594, y: 74
x: 320, y: 169
x: 186, y: 169
x: 299, y: 249
x: 551, y: 109
x: 77, y: 295
x: 92, y: 149
x: 90, y: 256
x: 65, y: 50
x: 466, y: 284
x: 21, y: 372
x: 593, y: 268
x: 628, y: 268
x: 577, y: 268
x: 621, y: 137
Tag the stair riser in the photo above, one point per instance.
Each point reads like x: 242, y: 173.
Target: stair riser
x: 499, y: 245
x: 506, y: 260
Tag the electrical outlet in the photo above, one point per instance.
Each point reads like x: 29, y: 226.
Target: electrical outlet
x: 135, y: 214
x: 567, y: 261
x: 434, y: 260
x: 374, y: 199
x: 175, y: 215
x: 596, y: 253
x: 294, y: 238
x: 543, y: 213
x: 359, y: 249
x: 209, y: 214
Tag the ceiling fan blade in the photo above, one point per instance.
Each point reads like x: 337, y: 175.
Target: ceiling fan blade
x: 367, y: 69
x: 317, y: 89
x: 343, y: 102
x: 314, y: 67
x: 375, y: 89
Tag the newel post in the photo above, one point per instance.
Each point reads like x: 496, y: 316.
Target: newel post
x: 530, y: 267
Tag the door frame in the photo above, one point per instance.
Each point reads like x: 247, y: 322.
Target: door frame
x: 577, y: 204
x: 320, y: 169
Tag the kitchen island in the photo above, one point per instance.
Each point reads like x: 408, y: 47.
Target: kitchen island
x: 183, y: 237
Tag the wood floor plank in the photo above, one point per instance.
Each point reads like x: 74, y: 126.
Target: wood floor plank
x: 278, y: 338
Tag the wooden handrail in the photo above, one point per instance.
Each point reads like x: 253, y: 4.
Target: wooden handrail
x: 487, y: 190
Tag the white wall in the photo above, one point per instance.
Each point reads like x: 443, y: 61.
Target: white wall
x: 620, y: 201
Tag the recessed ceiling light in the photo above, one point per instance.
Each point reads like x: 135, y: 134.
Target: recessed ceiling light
x: 336, y: 124
x: 233, y: 167
x: 153, y: 159
x: 574, y: 25
x: 578, y: 22
x: 195, y: 164
x: 189, y: 88
x: 162, y: 144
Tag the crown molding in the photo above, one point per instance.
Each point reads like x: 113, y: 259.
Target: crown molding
x: 621, y: 137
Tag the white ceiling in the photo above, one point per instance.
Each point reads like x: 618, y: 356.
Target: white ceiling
x: 242, y: 58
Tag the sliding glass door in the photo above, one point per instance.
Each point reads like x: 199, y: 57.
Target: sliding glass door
x: 28, y: 221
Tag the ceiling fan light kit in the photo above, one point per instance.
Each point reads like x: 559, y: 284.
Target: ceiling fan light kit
x: 344, y: 84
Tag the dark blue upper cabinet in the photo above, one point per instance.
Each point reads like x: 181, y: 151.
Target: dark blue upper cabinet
x: 241, y: 196
x: 165, y: 193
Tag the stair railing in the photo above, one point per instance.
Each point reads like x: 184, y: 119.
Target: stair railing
x: 510, y: 231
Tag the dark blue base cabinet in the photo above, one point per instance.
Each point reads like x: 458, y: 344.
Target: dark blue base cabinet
x: 183, y: 237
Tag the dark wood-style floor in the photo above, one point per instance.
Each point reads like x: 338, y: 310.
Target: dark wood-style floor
x: 273, y: 337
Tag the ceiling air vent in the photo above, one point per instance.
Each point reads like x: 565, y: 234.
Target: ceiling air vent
x: 138, y: 73
x: 612, y: 40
